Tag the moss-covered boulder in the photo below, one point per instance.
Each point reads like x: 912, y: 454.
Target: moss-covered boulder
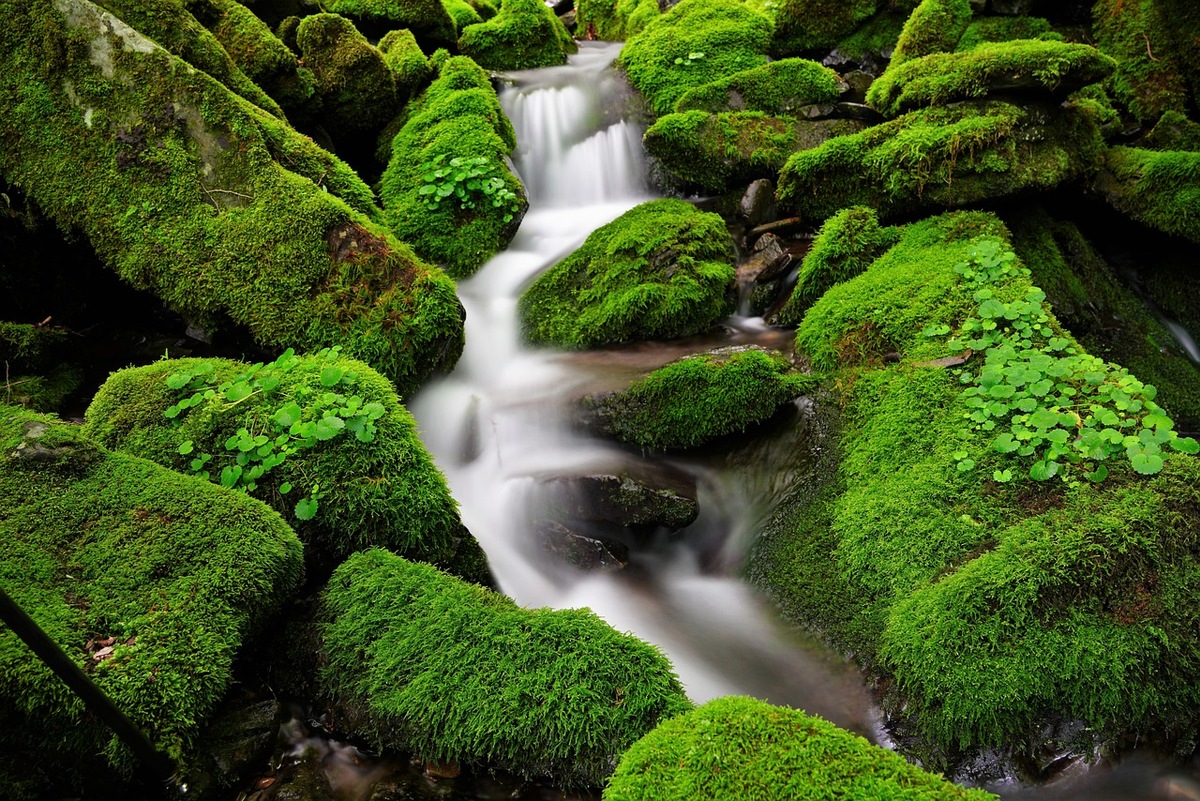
x: 448, y: 189
x: 945, y: 156
x: 1158, y: 188
x: 695, y: 43
x: 430, y: 664
x: 846, y: 245
x: 779, y: 87
x: 981, y: 539
x: 614, y: 22
x: 816, y: 25
x: 1173, y: 131
x: 409, y: 65
x: 660, y: 270
x: 717, y: 151
x: 736, y: 747
x: 935, y: 26
x: 698, y: 399
x: 355, y: 85
x: 1030, y: 67
x: 323, y: 439
x: 38, y: 372
x: 1006, y: 29
x: 187, y: 191
x: 524, y: 35
x: 463, y: 14
x: 150, y: 581
x: 427, y: 19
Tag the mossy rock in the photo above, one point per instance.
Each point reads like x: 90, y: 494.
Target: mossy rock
x: 150, y: 581
x: 187, y: 191
x: 524, y: 35
x: 38, y: 370
x: 735, y: 747
x: 453, y: 672
x: 615, y: 22
x: 1173, y: 131
x: 427, y: 19
x: 779, y: 87
x: 872, y: 43
x: 1006, y: 29
x: 660, y: 270
x: 816, y: 25
x: 935, y: 26
x: 1157, y: 188
x: 407, y: 61
x: 695, y: 43
x: 699, y: 398
x: 719, y: 151
x: 355, y: 85
x: 995, y: 600
x: 463, y: 14
x: 846, y: 245
x: 377, y: 485
x: 946, y: 156
x: 457, y: 118
x: 1031, y: 67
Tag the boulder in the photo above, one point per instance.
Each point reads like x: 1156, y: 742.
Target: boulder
x: 427, y: 19
x: 604, y: 19
x: 778, y: 87
x: 1006, y: 29
x: 935, y: 26
x: 816, y: 25
x: 524, y: 35
x: 236, y: 743
x: 582, y: 551
x: 1158, y: 188
x: 355, y: 86
x: 1154, y: 44
x: 758, y: 202
x: 633, y: 494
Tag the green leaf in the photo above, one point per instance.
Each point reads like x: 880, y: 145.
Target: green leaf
x: 1002, y: 476
x: 285, y: 488
x: 287, y: 415
x: 1185, y: 445
x: 179, y: 380
x: 306, y: 509
x: 230, y: 475
x: 238, y: 392
x: 1097, y: 475
x: 331, y: 375
x: 186, y: 448
x: 1043, y: 470
x: 965, y: 465
x: 1146, y: 463
x: 328, y: 427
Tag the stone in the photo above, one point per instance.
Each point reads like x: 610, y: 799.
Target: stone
x: 788, y: 225
x: 583, y: 552
x: 303, y: 781
x: 630, y: 494
x: 235, y: 744
x: 859, y: 82
x: 757, y: 205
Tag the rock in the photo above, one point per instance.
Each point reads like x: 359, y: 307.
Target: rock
x: 524, y: 35
x: 859, y: 82
x: 758, y: 202
x: 569, y: 19
x: 234, y: 745
x: 803, y: 25
x: 443, y: 770
x: 634, y: 494
x: 769, y: 261
x: 356, y: 87
x: 591, y: 554
x: 429, y: 20
x: 1158, y: 188
x: 778, y: 87
x: 784, y: 227
x: 857, y: 111
x: 303, y: 781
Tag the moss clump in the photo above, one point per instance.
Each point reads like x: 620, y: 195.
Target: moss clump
x: 427, y: 19
x: 699, y: 398
x: 1006, y: 29
x: 847, y: 244
x: 875, y: 41
x: 660, y: 270
x: 1055, y: 68
x: 942, y: 156
x: 695, y: 43
x: 745, y: 748
x: 994, y: 605
x: 1173, y: 131
x: 780, y: 87
x: 451, y: 671
x: 617, y: 21
x: 378, y: 488
x: 407, y: 62
x: 181, y: 188
x: 261, y: 55
x: 809, y: 25
x: 935, y: 26
x: 172, y: 572
x: 463, y: 14
x: 524, y: 35
x: 1160, y: 189
x: 717, y: 151
x: 37, y: 371
x: 457, y: 117
x: 356, y: 87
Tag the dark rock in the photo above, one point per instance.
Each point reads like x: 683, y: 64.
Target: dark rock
x: 757, y: 205
x: 631, y: 494
x: 815, y: 111
x: 784, y: 227
x: 581, y: 551
x: 1011, y: 8
x: 858, y: 111
x: 569, y: 19
x: 769, y: 260
x: 859, y: 82
x: 303, y: 781
x: 234, y: 745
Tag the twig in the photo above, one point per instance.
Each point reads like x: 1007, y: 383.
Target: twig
x: 1149, y: 52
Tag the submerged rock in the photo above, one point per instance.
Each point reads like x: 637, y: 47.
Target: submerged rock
x: 634, y: 494
x: 581, y: 551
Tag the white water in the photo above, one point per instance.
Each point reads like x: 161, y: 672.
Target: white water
x: 496, y: 426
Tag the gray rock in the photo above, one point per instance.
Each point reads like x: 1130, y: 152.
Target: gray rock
x: 757, y: 205
x: 581, y: 551
x: 858, y: 111
x: 630, y: 494
x: 234, y: 745
x: 859, y: 82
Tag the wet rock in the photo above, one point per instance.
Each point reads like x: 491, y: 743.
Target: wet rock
x: 234, y: 745
x: 816, y: 111
x: 443, y: 770
x: 858, y: 111
x: 633, y: 494
x: 758, y: 203
x: 581, y: 551
x: 859, y: 82
x: 784, y: 227
x: 303, y: 781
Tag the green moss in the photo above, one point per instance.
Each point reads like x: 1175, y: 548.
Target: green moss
x: 1056, y: 68
x: 1160, y: 189
x: 427, y: 19
x: 524, y: 35
x: 356, y: 87
x: 408, y: 64
x: 780, y: 87
x: 846, y: 245
x: 536, y: 692
x: 184, y: 190
x: 699, y: 398
x: 615, y: 21
x: 935, y: 26
x: 717, y: 151
x: 808, y: 25
x: 660, y: 270
x: 463, y: 14
x: 876, y: 39
x: 696, y: 42
x: 97, y: 545
x: 942, y: 156
x: 458, y: 116
x: 1173, y: 131
x: 745, y: 748
x: 1006, y: 29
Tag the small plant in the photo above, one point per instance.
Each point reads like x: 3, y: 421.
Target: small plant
x: 306, y: 419
x: 472, y: 182
x: 1064, y: 411
x: 692, y: 58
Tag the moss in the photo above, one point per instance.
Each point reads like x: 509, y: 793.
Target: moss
x: 356, y: 87
x: 1006, y: 29
x: 718, y: 151
x: 458, y: 116
x: 846, y: 245
x: 385, y: 492
x: 427, y: 19
x: 875, y: 40
x: 535, y: 692
x: 660, y: 270
x: 935, y: 26
x: 699, y: 398
x: 97, y: 545
x: 943, y: 156
x: 1173, y: 131
x: 524, y: 35
x: 745, y: 748
x: 408, y: 64
x: 780, y: 87
x: 696, y: 42
x: 615, y: 21
x: 1160, y: 189
x: 184, y: 190
x: 463, y: 14
x: 813, y: 25
x: 1054, y: 68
